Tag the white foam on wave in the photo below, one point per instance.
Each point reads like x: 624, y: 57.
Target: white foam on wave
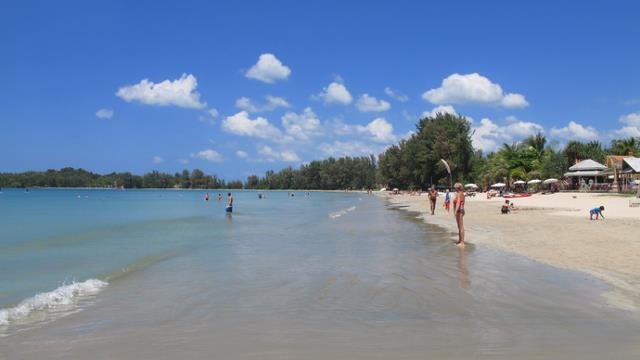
x: 337, y: 214
x: 65, y: 295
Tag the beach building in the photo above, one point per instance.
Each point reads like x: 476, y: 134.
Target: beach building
x: 625, y: 170
x: 589, y: 175
x: 630, y: 173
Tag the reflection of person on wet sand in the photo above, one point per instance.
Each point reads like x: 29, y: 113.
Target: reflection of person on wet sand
x: 463, y: 272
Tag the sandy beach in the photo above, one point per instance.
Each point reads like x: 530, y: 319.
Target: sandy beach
x: 554, y: 229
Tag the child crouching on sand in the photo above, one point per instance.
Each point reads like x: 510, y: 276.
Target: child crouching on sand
x: 597, y: 212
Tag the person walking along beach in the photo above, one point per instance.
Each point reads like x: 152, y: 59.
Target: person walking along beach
x: 433, y: 196
x: 458, y: 210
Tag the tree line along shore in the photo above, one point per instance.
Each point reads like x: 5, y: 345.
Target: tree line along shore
x: 414, y: 163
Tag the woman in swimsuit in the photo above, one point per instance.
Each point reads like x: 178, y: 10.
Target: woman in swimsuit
x: 458, y: 210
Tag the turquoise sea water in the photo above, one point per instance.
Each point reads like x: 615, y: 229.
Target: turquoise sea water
x: 93, y: 274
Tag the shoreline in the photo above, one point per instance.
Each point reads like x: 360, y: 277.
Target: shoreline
x: 554, y: 230
x: 175, y: 189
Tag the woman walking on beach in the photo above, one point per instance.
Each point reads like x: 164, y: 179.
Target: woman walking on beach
x: 458, y: 210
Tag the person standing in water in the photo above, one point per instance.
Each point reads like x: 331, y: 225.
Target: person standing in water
x: 229, y: 203
x: 206, y: 197
x: 458, y: 210
x: 433, y: 196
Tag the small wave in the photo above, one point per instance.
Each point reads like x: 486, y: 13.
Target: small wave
x: 337, y: 214
x: 65, y: 295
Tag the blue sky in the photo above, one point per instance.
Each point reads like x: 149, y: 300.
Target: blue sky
x: 240, y: 87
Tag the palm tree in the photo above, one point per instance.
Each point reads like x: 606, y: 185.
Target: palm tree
x: 629, y: 146
x: 574, y: 151
x: 594, y: 150
x: 537, y: 143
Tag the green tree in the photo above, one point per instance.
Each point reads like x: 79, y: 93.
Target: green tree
x: 626, y: 147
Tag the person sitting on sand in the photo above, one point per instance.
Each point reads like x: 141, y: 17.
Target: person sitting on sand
x: 458, y: 210
x: 506, y: 208
x: 433, y: 196
x: 597, y: 212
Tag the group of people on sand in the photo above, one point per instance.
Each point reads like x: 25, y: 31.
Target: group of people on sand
x: 458, y: 207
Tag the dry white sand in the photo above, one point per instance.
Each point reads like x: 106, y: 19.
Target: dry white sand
x: 555, y: 229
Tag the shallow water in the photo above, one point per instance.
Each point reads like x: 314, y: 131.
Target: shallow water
x: 330, y: 275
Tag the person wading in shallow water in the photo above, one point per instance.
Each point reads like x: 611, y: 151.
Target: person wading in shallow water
x: 458, y: 210
x: 229, y: 203
x: 433, y: 196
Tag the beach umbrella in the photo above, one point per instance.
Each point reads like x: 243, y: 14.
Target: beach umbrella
x: 534, y: 181
x: 519, y: 182
x: 471, y: 186
x: 395, y: 189
x: 498, y: 185
x: 550, y: 181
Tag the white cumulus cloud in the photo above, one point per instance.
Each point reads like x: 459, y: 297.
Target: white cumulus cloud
x: 632, y: 119
x: 488, y: 136
x: 575, y: 131
x: 336, y: 93
x: 273, y: 155
x: 473, y: 89
x: 242, y: 124
x: 210, y: 117
x: 626, y: 132
x: 302, y: 126
x: 242, y: 154
x: 631, y: 128
x: 180, y: 92
x: 104, y: 113
x: 268, y: 69
x: 271, y: 103
x: 349, y: 148
x: 395, y: 94
x: 514, y: 101
x: 441, y: 109
x: 213, y: 112
x: 208, y: 155
x: 157, y: 160
x: 367, y: 103
x: 380, y: 130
